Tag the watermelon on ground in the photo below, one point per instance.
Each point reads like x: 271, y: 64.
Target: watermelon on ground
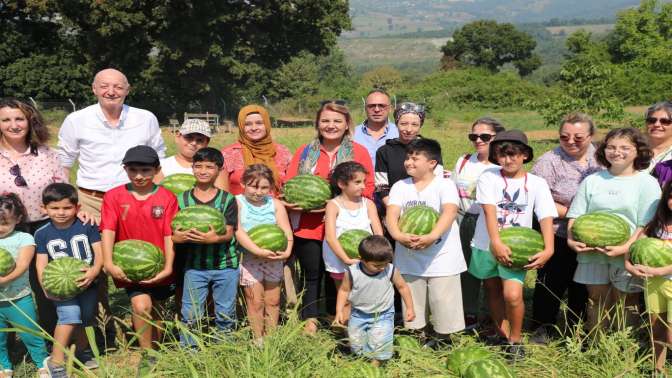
x: 7, y: 262
x: 199, y: 217
x: 418, y: 220
x: 350, y: 240
x: 178, y: 182
x: 459, y: 359
x: 651, y: 252
x: 59, y: 277
x: 309, y: 192
x: 488, y: 368
x: 268, y: 236
x: 138, y: 259
x: 601, y: 229
x: 524, y: 243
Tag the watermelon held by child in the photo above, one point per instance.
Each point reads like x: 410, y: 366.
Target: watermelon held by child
x: 199, y: 217
x: 651, y: 252
x: 461, y: 358
x: 178, y: 182
x: 7, y: 262
x: 60, y: 277
x: 138, y: 259
x: 268, y: 236
x: 309, y: 192
x: 418, y: 220
x: 490, y: 368
x: 524, y: 243
x: 350, y: 240
x: 601, y: 229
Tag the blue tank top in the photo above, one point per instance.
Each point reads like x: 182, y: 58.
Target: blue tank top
x: 251, y: 215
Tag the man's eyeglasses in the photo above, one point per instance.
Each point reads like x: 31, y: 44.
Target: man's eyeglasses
x: 337, y: 102
x: 18, y: 180
x: 377, y: 106
x: 484, y: 137
x: 663, y: 121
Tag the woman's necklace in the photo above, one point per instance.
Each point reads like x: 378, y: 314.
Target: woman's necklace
x: 352, y: 213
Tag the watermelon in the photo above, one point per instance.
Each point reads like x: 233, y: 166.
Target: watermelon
x: 199, y: 217
x: 418, y: 220
x: 268, y: 236
x: 524, y: 243
x: 138, y: 259
x: 309, y: 192
x: 601, y: 229
x: 460, y: 359
x: 405, y: 342
x: 178, y: 182
x: 490, y: 368
x: 7, y: 263
x: 59, y: 277
x: 350, y: 240
x: 651, y: 252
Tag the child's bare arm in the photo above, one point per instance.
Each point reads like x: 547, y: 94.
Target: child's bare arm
x: 107, y: 241
x: 500, y: 251
x: 282, y: 219
x: 330, y: 233
x: 405, y: 293
x: 541, y: 258
x: 372, y: 212
x: 392, y: 223
x: 23, y: 260
x: 342, y: 298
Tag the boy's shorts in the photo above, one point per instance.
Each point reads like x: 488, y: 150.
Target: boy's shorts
x: 483, y: 266
x: 611, y: 273
x: 371, y: 335
x: 659, y: 296
x: 438, y: 299
x: 81, y: 309
x: 158, y: 293
x: 254, y: 270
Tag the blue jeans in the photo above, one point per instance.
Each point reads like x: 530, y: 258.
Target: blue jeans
x: 224, y: 289
x: 81, y: 309
x: 22, y: 313
x: 371, y: 335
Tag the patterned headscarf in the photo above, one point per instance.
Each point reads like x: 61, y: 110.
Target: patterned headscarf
x: 409, y: 108
x: 261, y: 151
x: 311, y: 152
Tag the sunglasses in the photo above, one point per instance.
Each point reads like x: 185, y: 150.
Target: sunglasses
x: 663, y: 121
x: 484, y: 137
x: 18, y: 180
x: 577, y: 138
x: 337, y: 102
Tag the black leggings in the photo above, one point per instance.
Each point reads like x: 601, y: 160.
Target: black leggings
x: 309, y: 254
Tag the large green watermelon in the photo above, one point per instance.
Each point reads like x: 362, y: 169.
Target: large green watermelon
x: 418, y: 220
x: 199, y: 217
x: 7, y: 262
x: 524, y: 243
x: 651, y: 252
x: 406, y: 342
x: 459, y: 359
x: 179, y: 182
x: 491, y: 368
x: 268, y: 236
x: 350, y: 240
x: 601, y: 229
x: 309, y: 192
x: 60, y: 277
x: 138, y: 259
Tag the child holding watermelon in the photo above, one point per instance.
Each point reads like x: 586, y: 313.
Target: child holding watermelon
x: 67, y: 236
x: 509, y: 197
x: 262, y: 269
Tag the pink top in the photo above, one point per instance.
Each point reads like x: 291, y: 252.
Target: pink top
x: 233, y: 160
x: 38, y: 170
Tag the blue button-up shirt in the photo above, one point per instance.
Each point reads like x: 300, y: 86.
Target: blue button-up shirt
x: 371, y: 144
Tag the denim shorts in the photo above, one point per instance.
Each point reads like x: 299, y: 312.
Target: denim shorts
x: 81, y: 309
x: 371, y: 335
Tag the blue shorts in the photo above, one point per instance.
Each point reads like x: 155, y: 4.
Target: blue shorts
x: 81, y: 309
x: 371, y: 335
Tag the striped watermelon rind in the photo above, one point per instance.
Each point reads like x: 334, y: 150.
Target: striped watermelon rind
x: 523, y: 242
x: 268, y: 236
x: 349, y: 241
x: 178, y: 182
x: 418, y: 220
x: 59, y: 277
x: 461, y: 358
x: 138, y: 259
x: 490, y: 368
x: 651, y: 252
x: 601, y: 229
x: 199, y: 217
x: 7, y: 262
x: 309, y: 192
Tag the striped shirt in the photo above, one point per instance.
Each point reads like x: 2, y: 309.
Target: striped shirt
x: 211, y: 256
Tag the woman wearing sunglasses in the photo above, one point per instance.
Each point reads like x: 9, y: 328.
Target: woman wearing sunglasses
x: 658, y: 120
x: 467, y: 170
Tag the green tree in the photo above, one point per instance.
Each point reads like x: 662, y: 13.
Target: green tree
x: 386, y: 77
x: 491, y: 45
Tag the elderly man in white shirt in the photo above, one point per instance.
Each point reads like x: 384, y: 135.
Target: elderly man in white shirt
x: 99, y: 135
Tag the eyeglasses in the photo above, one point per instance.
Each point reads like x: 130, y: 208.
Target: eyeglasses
x: 484, y: 137
x: 622, y: 149
x: 377, y: 106
x: 663, y: 121
x: 337, y: 102
x: 411, y: 107
x: 578, y: 138
x: 18, y: 180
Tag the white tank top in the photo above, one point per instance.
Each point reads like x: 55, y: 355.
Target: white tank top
x: 170, y: 166
x: 346, y: 220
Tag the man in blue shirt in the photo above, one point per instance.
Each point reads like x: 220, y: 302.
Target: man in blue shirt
x: 377, y: 129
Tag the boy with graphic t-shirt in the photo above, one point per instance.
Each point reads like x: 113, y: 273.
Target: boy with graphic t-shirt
x: 431, y: 264
x: 140, y: 210
x: 67, y: 236
x: 509, y: 196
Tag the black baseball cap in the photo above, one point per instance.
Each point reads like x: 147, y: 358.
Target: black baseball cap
x: 141, y: 155
x: 515, y: 136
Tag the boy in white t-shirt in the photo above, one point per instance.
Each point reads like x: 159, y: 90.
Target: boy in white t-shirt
x: 431, y: 264
x: 509, y: 196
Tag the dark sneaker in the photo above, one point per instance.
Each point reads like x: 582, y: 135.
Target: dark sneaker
x: 495, y: 340
x: 470, y: 322
x: 55, y: 371
x: 541, y: 335
x: 86, y: 357
x: 514, y: 351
